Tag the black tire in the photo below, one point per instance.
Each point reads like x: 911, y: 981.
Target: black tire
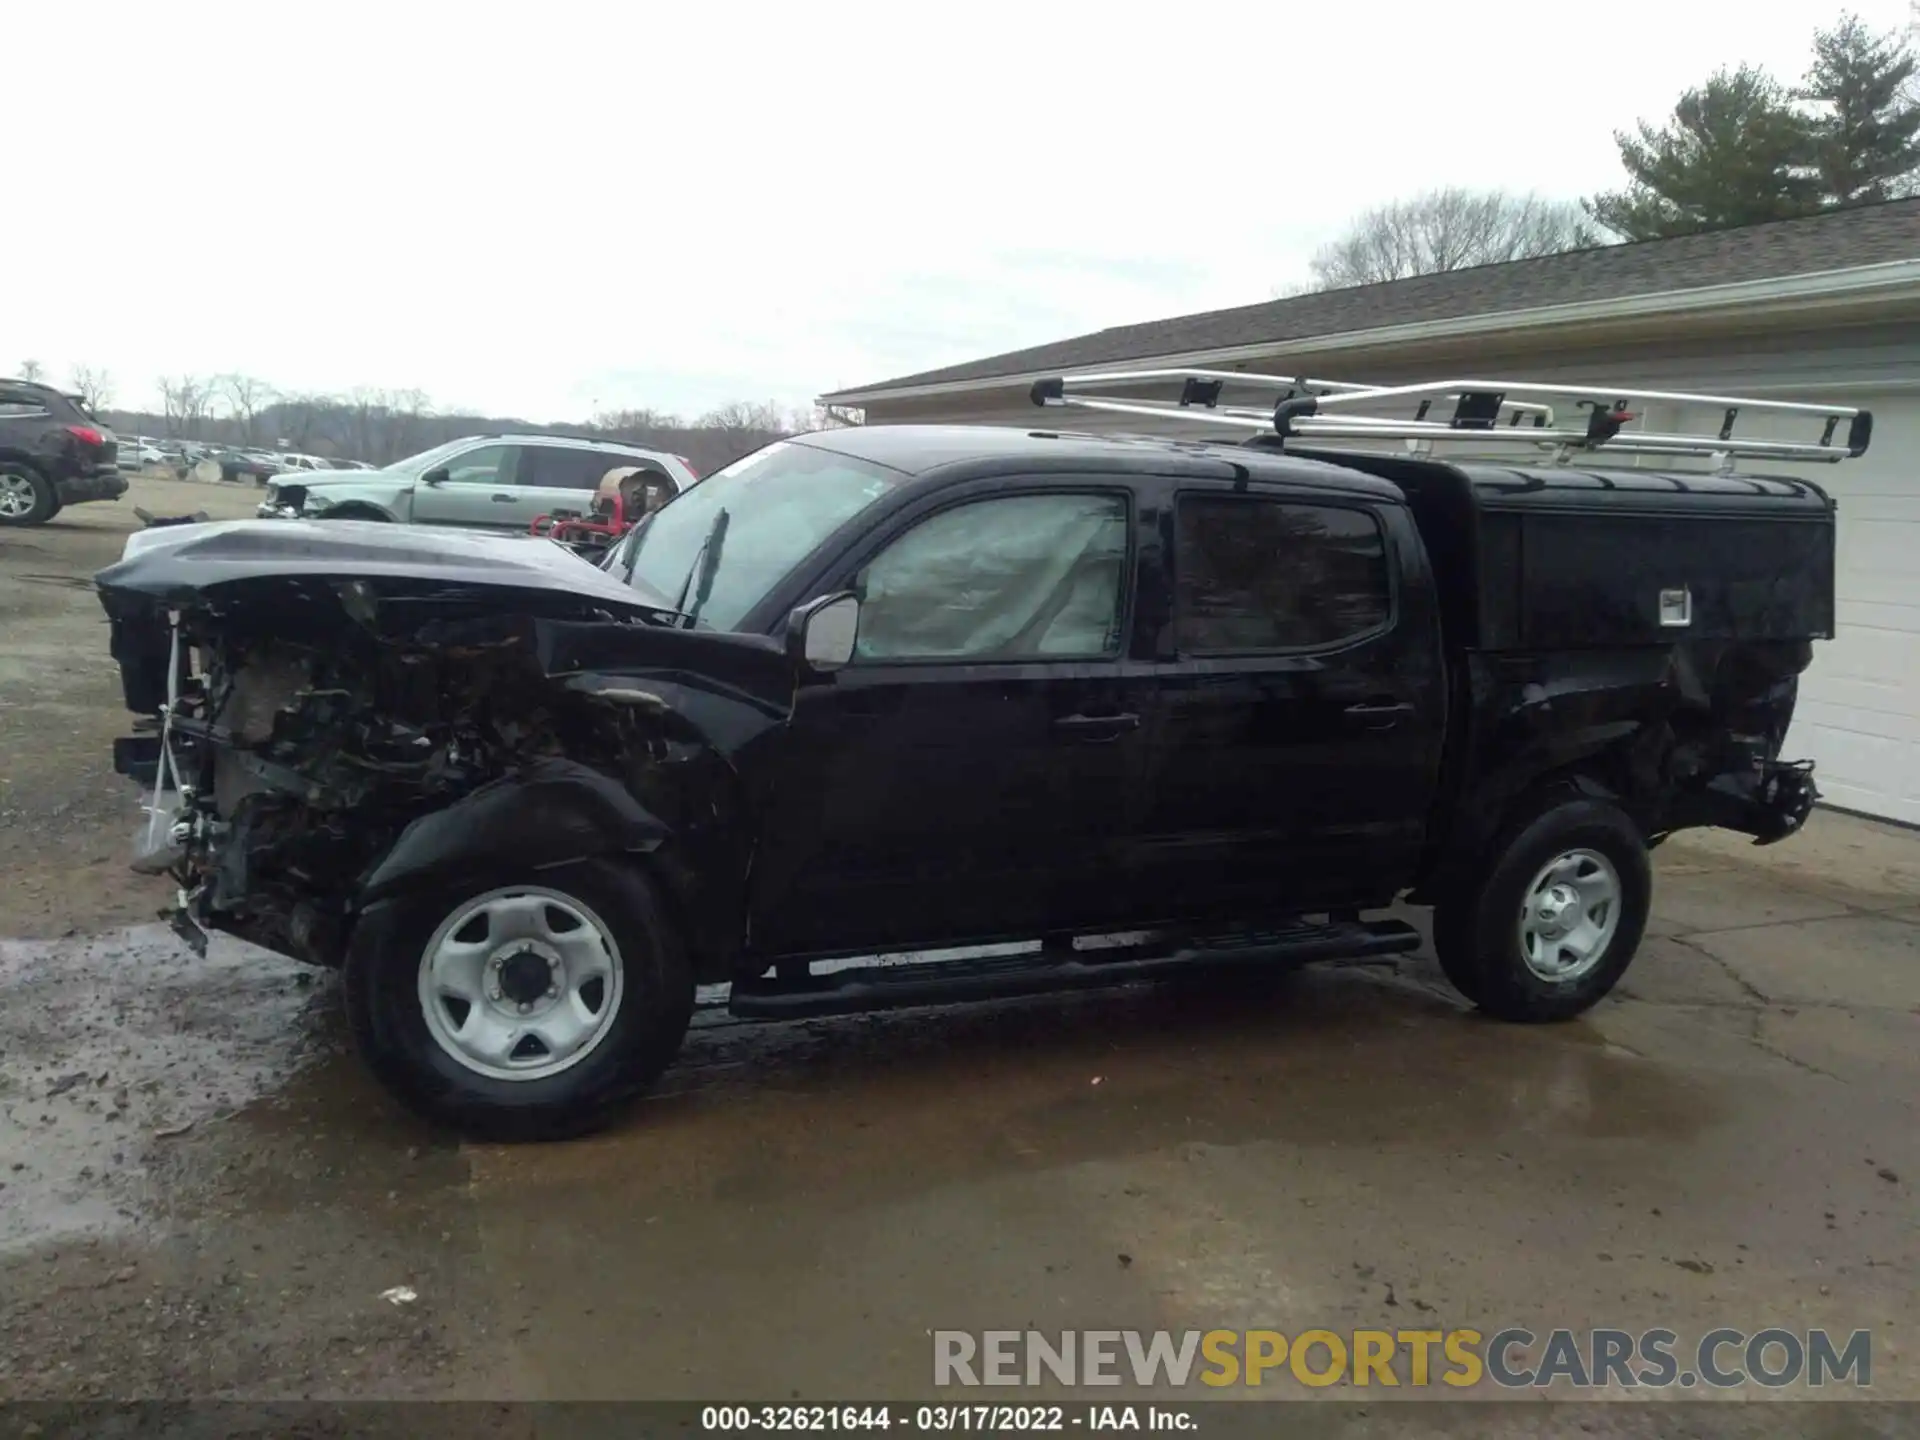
x: 1452, y: 948
x: 45, y: 503
x: 353, y: 512
x: 387, y: 1017
x: 1476, y: 927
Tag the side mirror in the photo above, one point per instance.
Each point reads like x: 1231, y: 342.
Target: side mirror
x: 821, y: 633
x: 437, y: 476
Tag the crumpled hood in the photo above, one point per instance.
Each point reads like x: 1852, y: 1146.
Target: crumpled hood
x: 324, y: 480
x: 177, y: 562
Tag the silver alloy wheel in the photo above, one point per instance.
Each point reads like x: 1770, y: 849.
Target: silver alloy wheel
x: 16, y: 495
x: 521, y: 983
x: 1569, y: 915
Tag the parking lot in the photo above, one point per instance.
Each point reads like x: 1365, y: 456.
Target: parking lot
x: 204, y: 1195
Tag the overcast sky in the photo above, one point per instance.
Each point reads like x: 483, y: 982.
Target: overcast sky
x: 543, y: 210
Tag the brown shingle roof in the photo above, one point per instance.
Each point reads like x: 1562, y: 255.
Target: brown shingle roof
x: 1836, y: 240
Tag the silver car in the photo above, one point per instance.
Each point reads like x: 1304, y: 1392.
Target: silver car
x: 483, y: 482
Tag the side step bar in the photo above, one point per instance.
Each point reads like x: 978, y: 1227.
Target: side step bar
x: 945, y: 982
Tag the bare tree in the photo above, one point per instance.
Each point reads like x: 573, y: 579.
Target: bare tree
x: 1448, y: 230
x: 380, y: 425
x: 93, y: 386
x: 32, y: 370
x: 186, y: 400
x: 743, y: 426
x: 300, y: 418
x: 407, y: 412
x: 245, y: 398
x: 360, y: 428
x: 639, y: 424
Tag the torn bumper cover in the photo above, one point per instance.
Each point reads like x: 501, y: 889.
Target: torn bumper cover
x: 1769, y: 803
x: 103, y: 483
x: 330, y: 717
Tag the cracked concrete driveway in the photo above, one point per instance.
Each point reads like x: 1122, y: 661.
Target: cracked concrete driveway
x: 201, y: 1194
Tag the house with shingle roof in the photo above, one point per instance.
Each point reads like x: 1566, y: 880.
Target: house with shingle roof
x: 1823, y: 308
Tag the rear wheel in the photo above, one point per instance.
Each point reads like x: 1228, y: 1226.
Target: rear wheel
x: 1544, y: 927
x: 26, y: 496
x: 524, y: 1011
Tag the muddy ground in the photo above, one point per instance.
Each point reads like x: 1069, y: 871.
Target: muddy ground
x: 64, y: 819
x: 201, y: 1195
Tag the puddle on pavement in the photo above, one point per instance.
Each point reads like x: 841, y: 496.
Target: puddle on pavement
x: 120, y: 1053
x: 112, y: 1046
x: 896, y: 1104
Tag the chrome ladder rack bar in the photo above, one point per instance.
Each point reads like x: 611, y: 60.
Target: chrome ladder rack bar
x: 1485, y: 413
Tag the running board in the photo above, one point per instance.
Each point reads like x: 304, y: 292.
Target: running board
x: 947, y: 982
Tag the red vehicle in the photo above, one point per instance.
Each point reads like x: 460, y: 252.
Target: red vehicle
x: 625, y: 496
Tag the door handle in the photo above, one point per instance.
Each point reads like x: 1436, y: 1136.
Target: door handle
x: 1378, y: 714
x: 1096, y: 729
x: 504, y: 499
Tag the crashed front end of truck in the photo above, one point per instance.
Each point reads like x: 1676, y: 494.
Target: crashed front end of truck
x: 329, y: 713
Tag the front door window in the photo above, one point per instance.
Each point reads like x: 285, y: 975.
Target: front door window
x: 1017, y: 578
x: 488, y: 465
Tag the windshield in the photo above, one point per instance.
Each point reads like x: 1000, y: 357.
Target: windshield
x: 781, y: 501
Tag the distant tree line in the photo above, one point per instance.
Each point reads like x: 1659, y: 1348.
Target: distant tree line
x: 1740, y: 149
x: 381, y: 426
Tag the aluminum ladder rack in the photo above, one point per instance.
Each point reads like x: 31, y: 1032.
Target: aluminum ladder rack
x: 1484, y: 413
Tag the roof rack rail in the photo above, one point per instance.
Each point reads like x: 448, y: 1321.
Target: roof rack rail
x: 1485, y: 412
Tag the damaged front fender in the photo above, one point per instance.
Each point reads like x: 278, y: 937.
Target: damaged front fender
x: 552, y: 812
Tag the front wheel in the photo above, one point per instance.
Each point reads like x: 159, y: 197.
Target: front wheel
x: 1544, y: 927
x: 527, y: 1011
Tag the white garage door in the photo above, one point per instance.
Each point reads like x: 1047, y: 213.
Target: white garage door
x: 1859, y: 710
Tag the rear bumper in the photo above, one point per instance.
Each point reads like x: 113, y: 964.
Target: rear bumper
x: 107, y: 484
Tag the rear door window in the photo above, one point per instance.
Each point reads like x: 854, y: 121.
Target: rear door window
x: 559, y: 467
x: 1256, y: 574
x: 20, y: 404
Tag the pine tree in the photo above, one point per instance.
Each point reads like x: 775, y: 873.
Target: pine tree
x: 1736, y: 152
x: 1867, y: 135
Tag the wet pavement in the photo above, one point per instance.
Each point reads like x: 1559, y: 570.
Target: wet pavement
x: 204, y: 1195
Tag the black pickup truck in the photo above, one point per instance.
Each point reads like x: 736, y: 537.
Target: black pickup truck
x: 1137, y: 706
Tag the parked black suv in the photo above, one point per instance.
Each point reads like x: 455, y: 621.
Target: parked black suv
x: 53, y: 453
x: 1145, y: 706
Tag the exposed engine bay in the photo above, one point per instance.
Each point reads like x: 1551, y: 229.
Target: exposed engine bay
x: 292, y: 752
x: 295, y: 726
